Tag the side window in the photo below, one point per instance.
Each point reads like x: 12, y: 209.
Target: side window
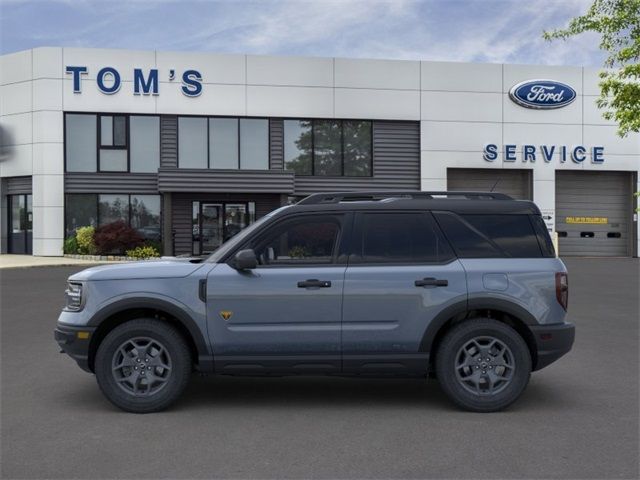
x: 400, y: 238
x: 546, y: 245
x: 467, y: 241
x: 300, y: 241
x: 513, y: 234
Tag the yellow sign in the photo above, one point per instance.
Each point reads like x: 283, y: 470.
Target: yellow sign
x: 588, y: 220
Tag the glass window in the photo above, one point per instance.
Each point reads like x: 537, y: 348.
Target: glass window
x: 106, y: 131
x: 145, y: 216
x: 544, y: 239
x: 466, y: 240
x: 195, y: 227
x: 120, y: 131
x: 113, y: 160
x: 513, y: 234
x: 357, y: 148
x: 192, y: 142
x: 223, y: 142
x: 17, y: 213
x: 145, y: 143
x: 297, y: 146
x: 112, y: 208
x: 327, y: 147
x: 81, y: 210
x: 309, y: 240
x: 254, y: 144
x: 80, y: 142
x: 401, y: 237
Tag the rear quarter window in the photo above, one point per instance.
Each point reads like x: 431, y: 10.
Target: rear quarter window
x: 490, y: 235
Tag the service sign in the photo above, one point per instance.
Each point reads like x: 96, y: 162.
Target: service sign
x: 542, y: 94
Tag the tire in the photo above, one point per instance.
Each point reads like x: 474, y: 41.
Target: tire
x: 143, y: 365
x: 472, y: 382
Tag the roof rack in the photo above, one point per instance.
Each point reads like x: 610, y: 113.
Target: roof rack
x: 337, y: 197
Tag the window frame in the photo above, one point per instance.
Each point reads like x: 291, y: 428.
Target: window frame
x: 355, y: 258
x: 237, y: 118
x: 313, y: 145
x: 341, y: 253
x: 98, y: 116
x: 100, y: 147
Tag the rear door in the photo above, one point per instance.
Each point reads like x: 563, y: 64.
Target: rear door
x: 401, y: 274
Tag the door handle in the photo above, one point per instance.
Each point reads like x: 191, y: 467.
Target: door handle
x: 314, y: 283
x: 431, y: 282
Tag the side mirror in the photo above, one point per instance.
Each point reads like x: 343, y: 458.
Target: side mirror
x: 245, y: 260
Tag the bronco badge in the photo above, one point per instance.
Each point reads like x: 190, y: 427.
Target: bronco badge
x: 226, y: 314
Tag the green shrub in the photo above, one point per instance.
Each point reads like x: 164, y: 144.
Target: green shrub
x: 71, y: 245
x: 143, y: 252
x: 84, y: 237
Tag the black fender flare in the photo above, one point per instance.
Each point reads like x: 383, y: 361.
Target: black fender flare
x: 205, y: 359
x: 465, y: 306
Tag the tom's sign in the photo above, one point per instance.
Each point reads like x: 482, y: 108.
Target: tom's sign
x: 542, y: 94
x: 109, y: 81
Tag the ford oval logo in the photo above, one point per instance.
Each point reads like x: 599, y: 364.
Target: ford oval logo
x: 543, y: 94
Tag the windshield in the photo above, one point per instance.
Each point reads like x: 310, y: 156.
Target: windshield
x: 236, y: 240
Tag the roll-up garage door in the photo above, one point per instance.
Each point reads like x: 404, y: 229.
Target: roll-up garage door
x: 594, y: 213
x: 516, y: 183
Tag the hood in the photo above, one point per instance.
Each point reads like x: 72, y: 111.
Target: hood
x: 139, y: 270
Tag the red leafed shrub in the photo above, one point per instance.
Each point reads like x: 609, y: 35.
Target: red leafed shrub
x: 116, y: 238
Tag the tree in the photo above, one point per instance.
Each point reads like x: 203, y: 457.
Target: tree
x: 618, y: 23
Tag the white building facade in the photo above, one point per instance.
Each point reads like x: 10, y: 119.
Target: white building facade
x: 190, y: 147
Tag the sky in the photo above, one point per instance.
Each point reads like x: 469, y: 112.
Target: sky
x: 495, y: 31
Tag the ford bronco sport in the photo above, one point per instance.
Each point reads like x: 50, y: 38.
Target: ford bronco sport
x: 462, y: 286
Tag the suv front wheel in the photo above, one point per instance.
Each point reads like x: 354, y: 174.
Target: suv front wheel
x: 483, y: 365
x: 143, y: 365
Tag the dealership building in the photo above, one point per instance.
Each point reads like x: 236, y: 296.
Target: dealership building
x: 189, y: 148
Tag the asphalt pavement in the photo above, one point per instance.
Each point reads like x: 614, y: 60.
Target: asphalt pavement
x: 579, y: 418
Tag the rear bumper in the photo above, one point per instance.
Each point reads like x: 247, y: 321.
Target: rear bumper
x: 74, y: 345
x: 552, y: 342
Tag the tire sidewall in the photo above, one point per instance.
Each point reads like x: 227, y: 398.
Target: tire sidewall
x: 178, y: 377
x: 456, y: 339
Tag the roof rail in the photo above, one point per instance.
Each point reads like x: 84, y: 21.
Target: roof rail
x: 337, y: 197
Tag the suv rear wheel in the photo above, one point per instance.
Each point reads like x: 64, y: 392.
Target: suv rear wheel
x: 483, y: 365
x: 143, y: 365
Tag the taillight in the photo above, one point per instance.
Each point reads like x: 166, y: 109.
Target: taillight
x: 562, y: 289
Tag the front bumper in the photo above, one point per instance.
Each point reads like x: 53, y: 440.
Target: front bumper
x: 75, y: 342
x: 552, y: 342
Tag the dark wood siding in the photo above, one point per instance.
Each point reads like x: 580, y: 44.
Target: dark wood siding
x: 231, y: 181
x: 182, y: 212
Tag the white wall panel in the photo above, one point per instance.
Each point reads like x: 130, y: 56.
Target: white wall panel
x: 459, y: 136
x: 378, y: 104
x: 47, y: 247
x: 514, y: 74
x: 540, y: 134
x: 48, y: 159
x: 48, y: 191
x: 48, y: 127
x: 592, y: 114
x: 47, y: 94
x: 290, y: 101
x: 47, y: 62
x: 607, y: 136
x: 461, y: 77
x: 214, y: 100
x: 461, y: 106
x: 377, y: 74
x: 17, y: 129
x: 124, y: 61
x: 571, y: 114
x: 15, y: 98
x: 93, y: 100
x: 297, y: 71
x: 214, y: 68
x: 591, y: 80
x: 19, y: 161
x: 15, y: 67
x: 48, y: 222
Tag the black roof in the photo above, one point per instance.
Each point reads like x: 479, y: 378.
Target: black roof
x: 458, y: 202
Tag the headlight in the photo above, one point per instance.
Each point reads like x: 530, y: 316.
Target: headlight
x: 73, y: 296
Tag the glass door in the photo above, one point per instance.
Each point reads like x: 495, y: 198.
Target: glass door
x: 20, y: 224
x: 211, y: 227
x: 235, y: 219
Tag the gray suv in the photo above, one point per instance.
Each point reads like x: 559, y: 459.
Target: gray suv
x: 462, y: 286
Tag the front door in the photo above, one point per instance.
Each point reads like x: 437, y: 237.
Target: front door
x: 401, y: 274
x: 20, y: 224
x: 284, y: 315
x: 211, y: 227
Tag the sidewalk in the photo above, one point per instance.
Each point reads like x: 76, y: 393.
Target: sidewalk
x: 21, y: 261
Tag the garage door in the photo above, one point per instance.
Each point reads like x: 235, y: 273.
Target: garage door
x: 594, y: 213
x: 516, y: 183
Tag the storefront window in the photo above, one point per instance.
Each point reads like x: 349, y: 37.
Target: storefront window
x: 327, y: 147
x: 357, y: 148
x: 254, y: 144
x: 113, y: 208
x: 81, y: 210
x: 213, y: 223
x: 80, y: 142
x: 223, y: 142
x: 192, y: 142
x: 145, y: 143
x: 297, y: 146
x: 145, y: 216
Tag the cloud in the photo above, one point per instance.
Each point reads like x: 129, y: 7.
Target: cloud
x: 457, y: 30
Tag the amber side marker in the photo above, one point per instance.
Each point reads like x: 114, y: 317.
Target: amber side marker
x: 82, y: 335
